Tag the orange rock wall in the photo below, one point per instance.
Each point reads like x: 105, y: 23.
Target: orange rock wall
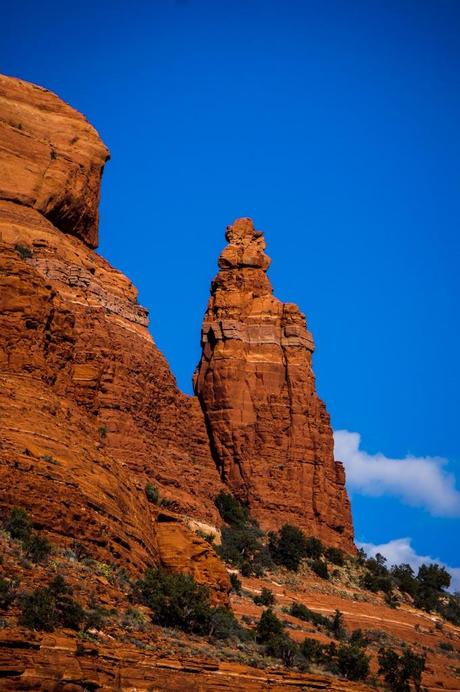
x: 271, y: 434
x: 89, y: 409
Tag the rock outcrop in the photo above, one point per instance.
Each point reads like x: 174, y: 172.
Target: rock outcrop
x: 89, y: 409
x: 51, y: 158
x: 270, y: 433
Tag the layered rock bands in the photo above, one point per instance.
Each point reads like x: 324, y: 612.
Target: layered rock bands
x: 270, y: 433
x: 89, y: 409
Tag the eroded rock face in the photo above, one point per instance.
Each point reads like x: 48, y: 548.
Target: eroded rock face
x: 89, y: 409
x: 51, y: 158
x: 270, y: 432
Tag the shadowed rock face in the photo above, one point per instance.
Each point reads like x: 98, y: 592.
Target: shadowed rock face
x: 270, y: 433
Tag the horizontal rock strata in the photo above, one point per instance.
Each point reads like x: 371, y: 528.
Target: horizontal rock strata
x: 270, y: 432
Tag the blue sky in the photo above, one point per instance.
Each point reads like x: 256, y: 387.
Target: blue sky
x: 334, y: 125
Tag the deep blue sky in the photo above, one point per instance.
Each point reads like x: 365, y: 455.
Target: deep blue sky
x: 335, y: 126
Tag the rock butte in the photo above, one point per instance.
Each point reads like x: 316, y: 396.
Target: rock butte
x: 270, y: 433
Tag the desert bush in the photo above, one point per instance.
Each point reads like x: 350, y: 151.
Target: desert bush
x: 231, y: 511
x: 38, y: 610
x: 281, y: 646
x: 266, y: 597
x: 23, y: 251
x: 96, y: 617
x: 337, y: 626
x: 133, y: 620
x: 311, y: 650
x: 8, y: 590
x: 336, y: 556
x: 404, y: 577
x: 434, y: 577
x: 319, y: 567
x: 359, y: 638
x: 269, y: 626
x: 236, y: 583
x: 37, y: 548
x: 446, y: 646
x: 18, y: 524
x: 224, y: 625
x: 298, y: 610
x: 399, y: 671
x: 242, y: 547
x: 376, y: 582
x: 288, y: 547
x: 352, y: 662
x: 175, y: 600
x: 152, y: 493
x: 313, y: 548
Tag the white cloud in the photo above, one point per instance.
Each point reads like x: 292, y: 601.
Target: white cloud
x: 400, y: 551
x: 417, y: 481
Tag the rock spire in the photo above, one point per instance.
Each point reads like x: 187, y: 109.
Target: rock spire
x: 270, y: 433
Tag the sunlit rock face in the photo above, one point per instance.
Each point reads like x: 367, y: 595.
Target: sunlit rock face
x: 89, y: 409
x: 270, y: 433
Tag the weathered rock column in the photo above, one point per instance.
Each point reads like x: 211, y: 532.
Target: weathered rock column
x: 269, y: 431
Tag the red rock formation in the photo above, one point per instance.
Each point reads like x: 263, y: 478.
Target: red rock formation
x: 51, y: 158
x: 89, y: 410
x: 270, y: 432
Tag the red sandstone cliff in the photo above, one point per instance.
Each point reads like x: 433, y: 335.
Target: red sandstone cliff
x: 270, y: 432
x: 89, y: 410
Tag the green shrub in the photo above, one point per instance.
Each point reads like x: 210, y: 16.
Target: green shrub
x: 404, y: 578
x: 266, y: 597
x: 176, y: 600
x: 298, y: 610
x: 133, y: 620
x: 311, y: 650
x: 399, y: 671
x: 377, y: 582
x: 282, y: 647
x: 37, y: 548
x: 231, y: 511
x: 446, y: 646
x: 152, y: 493
x: 352, y: 662
x: 268, y: 626
x: 241, y: 546
x: 23, y: 251
x: 288, y: 547
x: 19, y: 524
x: 236, y: 583
x: 434, y: 577
x: 223, y: 625
x: 8, y: 591
x: 319, y: 567
x: 313, y: 548
x: 51, y: 607
x: 336, y: 556
x: 358, y: 638
x: 426, y: 599
x: 96, y: 617
x: 337, y: 627
x: 38, y: 610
